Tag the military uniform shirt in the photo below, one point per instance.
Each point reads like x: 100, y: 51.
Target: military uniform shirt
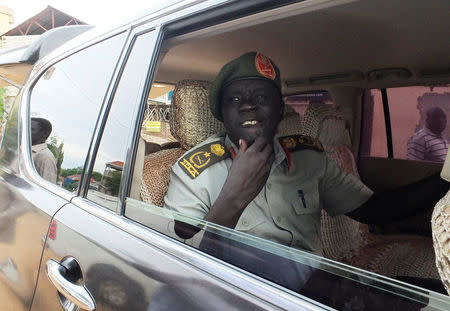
x: 287, y: 210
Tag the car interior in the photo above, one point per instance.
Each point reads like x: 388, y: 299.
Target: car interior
x: 337, y: 59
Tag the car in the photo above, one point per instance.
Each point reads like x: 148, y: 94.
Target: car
x: 126, y: 103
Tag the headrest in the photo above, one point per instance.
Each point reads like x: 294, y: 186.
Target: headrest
x: 325, y: 123
x: 290, y: 124
x: 191, y: 120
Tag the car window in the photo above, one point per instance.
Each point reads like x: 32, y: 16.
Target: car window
x: 337, y: 283
x: 109, y: 162
x: 297, y: 270
x: 64, y: 107
x: 299, y: 102
x: 418, y: 118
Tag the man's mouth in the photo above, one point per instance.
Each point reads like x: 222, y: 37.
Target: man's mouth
x: 250, y: 123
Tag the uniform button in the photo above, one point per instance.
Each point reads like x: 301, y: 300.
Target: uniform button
x: 278, y: 219
x: 269, y: 185
x: 245, y: 222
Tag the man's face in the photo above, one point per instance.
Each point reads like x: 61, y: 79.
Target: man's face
x: 250, y: 109
x: 36, y: 132
x: 436, y: 121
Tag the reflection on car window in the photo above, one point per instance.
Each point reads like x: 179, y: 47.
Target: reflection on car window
x: 156, y: 127
x: 110, y: 159
x: 69, y: 98
x: 330, y: 283
x: 418, y: 121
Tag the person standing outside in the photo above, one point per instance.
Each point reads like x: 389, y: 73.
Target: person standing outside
x: 44, y: 161
x: 428, y: 144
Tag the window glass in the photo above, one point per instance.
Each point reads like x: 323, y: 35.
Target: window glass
x: 418, y: 122
x: 155, y: 129
x: 328, y: 282
x: 110, y: 159
x: 300, y: 102
x: 68, y: 97
x: 302, y: 272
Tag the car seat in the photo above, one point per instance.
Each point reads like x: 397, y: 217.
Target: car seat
x: 341, y: 236
x: 440, y: 227
x: 349, y: 241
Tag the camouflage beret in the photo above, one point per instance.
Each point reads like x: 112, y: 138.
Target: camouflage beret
x: 251, y: 65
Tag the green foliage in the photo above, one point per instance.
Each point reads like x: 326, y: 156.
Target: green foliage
x: 71, y: 171
x: 97, y: 176
x: 112, y: 181
x: 71, y: 186
x: 58, y: 153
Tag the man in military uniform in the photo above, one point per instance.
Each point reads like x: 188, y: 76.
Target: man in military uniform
x: 252, y: 180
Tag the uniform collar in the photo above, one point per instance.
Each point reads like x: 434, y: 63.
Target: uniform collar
x: 38, y: 148
x: 280, y: 153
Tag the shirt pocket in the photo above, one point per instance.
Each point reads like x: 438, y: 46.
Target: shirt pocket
x: 305, y: 198
x: 250, y: 219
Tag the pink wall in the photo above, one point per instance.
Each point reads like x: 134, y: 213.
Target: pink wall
x: 405, y: 116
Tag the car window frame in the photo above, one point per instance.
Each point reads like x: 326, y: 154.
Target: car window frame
x: 127, y: 173
x: 26, y: 164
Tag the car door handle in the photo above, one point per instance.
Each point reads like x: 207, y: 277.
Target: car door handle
x: 77, y: 294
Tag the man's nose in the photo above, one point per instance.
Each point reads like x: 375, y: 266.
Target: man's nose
x: 247, y: 104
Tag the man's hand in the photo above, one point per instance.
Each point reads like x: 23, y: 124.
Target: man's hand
x: 247, y: 176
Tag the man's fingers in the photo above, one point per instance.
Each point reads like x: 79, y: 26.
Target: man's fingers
x: 267, y: 150
x: 258, y: 145
x: 242, y: 146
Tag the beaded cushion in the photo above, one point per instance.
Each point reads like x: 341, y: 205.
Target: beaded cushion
x: 440, y: 225
x: 191, y: 121
x: 350, y: 241
x: 341, y: 236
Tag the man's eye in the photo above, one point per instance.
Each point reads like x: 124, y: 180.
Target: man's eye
x: 235, y: 99
x: 260, y: 98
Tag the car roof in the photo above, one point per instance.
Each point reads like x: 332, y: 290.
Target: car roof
x: 319, y: 44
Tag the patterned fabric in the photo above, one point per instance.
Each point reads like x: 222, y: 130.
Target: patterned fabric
x: 155, y: 175
x: 341, y: 236
x: 440, y: 225
x: 346, y: 240
x: 425, y: 145
x: 191, y: 122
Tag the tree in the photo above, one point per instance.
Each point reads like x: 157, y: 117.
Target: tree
x: 97, y: 176
x: 112, y: 181
x: 57, y: 151
x: 71, y: 171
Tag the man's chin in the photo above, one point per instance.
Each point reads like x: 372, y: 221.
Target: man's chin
x: 251, y: 139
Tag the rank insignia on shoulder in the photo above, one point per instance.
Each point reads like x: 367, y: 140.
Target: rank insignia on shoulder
x: 199, y: 159
x: 300, y: 142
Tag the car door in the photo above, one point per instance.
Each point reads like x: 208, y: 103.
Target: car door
x: 28, y: 201
x: 26, y: 208
x: 94, y: 258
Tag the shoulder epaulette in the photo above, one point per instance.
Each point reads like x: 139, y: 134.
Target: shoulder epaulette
x: 199, y: 159
x: 300, y: 142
